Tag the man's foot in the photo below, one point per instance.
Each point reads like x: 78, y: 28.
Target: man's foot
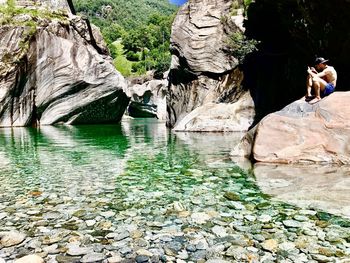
x: 308, y: 98
x: 315, y: 100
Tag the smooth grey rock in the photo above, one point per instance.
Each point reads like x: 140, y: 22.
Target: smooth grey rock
x: 321, y: 258
x: 11, y: 238
x: 2, y: 215
x: 292, y: 223
x: 93, y: 257
x: 78, y: 251
x: 205, y: 91
x: 148, y: 99
x: 30, y: 259
x: 65, y: 78
x: 141, y: 259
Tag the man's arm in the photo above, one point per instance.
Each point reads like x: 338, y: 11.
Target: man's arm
x: 320, y: 75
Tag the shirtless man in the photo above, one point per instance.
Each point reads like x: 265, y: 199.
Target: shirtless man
x: 323, y: 79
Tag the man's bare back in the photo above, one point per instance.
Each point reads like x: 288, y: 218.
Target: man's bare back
x: 330, y: 75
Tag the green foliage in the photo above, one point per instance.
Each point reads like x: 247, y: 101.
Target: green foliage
x: 123, y: 65
x: 143, y: 25
x: 241, y: 46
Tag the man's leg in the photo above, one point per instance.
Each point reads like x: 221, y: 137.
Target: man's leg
x: 318, y: 85
x: 308, y: 86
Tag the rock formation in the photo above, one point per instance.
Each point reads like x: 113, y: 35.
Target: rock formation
x: 291, y: 34
x: 148, y: 99
x: 203, y: 74
x: 54, y: 70
x: 302, y: 133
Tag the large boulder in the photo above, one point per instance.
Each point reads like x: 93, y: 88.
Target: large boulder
x: 203, y: 72
x: 302, y: 133
x: 219, y: 117
x: 148, y: 100
x: 52, y: 71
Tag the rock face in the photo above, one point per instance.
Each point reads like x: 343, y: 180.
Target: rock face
x: 213, y: 117
x: 202, y: 71
x: 148, y: 99
x: 56, y: 72
x: 303, y: 133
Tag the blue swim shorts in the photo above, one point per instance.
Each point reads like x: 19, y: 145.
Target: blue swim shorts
x: 328, y: 90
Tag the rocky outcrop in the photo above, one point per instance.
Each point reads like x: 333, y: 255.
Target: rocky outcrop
x: 202, y: 71
x: 53, y: 73
x: 302, y: 133
x: 219, y: 117
x: 148, y: 100
x: 291, y: 35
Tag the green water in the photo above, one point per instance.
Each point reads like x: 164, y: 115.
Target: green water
x: 55, y: 180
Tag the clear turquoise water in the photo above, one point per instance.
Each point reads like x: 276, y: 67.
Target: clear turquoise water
x: 56, y: 179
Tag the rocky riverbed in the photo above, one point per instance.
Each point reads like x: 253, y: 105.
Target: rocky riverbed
x: 169, y: 203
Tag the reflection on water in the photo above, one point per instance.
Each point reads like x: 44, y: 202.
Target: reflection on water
x: 122, y: 188
x: 319, y: 186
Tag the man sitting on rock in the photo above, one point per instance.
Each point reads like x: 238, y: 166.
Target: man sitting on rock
x: 323, y: 79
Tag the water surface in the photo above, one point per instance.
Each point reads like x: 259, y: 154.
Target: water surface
x: 139, y: 190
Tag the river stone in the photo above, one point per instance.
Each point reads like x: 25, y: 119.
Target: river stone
x: 67, y: 259
x: 30, y: 259
x: 90, y: 223
x: 200, y: 218
x: 183, y: 255
x: 236, y: 252
x: 178, y: 206
x: 2, y: 215
x: 286, y: 246
x: 198, y: 255
x: 219, y: 231
x: 292, y: 223
x: 321, y: 258
x: 78, y: 251
x: 108, y: 214
x: 115, y: 259
x: 142, y: 259
x: 217, y: 260
x: 93, y: 257
x: 53, y: 249
x: 270, y: 245
x: 144, y: 252
x: 264, y: 218
x: 12, y: 238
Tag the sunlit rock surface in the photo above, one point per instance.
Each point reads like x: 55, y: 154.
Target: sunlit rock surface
x: 214, y: 117
x: 303, y: 133
x: 202, y: 70
x: 321, y: 187
x: 58, y: 73
x: 148, y: 99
